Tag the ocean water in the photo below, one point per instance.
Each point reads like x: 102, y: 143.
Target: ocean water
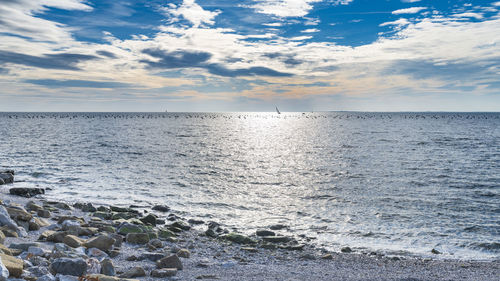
x: 399, y: 183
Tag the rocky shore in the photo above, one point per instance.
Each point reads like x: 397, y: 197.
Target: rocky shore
x: 47, y: 241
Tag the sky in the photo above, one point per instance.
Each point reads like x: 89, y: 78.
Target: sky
x: 251, y: 55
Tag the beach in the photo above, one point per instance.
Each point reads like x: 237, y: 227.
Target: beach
x: 127, y: 239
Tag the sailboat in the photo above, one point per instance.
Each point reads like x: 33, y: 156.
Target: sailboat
x: 277, y: 110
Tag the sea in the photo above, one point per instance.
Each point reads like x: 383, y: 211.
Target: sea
x: 391, y: 183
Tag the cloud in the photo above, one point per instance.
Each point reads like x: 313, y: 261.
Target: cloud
x: 410, y: 1
x: 66, y: 61
x: 19, y: 17
x: 289, y: 8
x: 412, y: 10
x: 106, y: 54
x: 399, y: 22
x: 310, y: 30
x: 468, y: 15
x: 54, y: 83
x: 193, y: 59
x: 192, y: 12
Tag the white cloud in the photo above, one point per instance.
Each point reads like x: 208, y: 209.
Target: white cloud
x: 19, y: 18
x: 399, y: 22
x: 310, y: 30
x: 410, y: 1
x: 192, y: 12
x: 289, y: 8
x: 275, y: 24
x: 412, y: 10
x: 468, y: 15
x: 497, y: 4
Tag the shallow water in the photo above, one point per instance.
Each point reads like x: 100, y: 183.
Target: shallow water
x: 396, y: 182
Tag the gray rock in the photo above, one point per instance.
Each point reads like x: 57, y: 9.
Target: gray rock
x: 93, y: 266
x: 88, y: 207
x: 136, y: 271
x: 67, y: 266
x: 108, y: 268
x: 7, y: 177
x: 4, y: 272
x: 184, y: 253
x: 44, y: 213
x: 24, y: 246
x: 150, y: 256
x: 276, y: 239
x: 5, y: 218
x: 38, y: 271
x: 138, y: 238
x: 36, y: 251
x: 47, y: 277
x: 162, y: 273
x: 277, y: 226
x: 346, y: 250
x: 101, y: 242
x: 149, y: 219
x: 265, y: 233
x: 161, y: 208
x: 172, y: 261
x: 26, y: 191
x: 61, y: 277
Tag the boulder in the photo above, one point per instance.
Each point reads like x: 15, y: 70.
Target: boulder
x: 162, y: 273
x: 161, y: 208
x: 183, y: 253
x: 43, y: 213
x: 67, y: 266
x: 93, y: 266
x: 18, y: 213
x: 276, y: 239
x: 265, y: 233
x: 7, y: 177
x: 172, y: 261
x: 101, y: 242
x: 13, y: 265
x: 26, y: 191
x: 239, y: 238
x: 137, y: 238
x: 24, y: 246
x: 73, y: 241
x: 2, y: 237
x: 88, y: 207
x: 126, y: 228
x: 108, y: 268
x: 5, y: 250
x: 149, y: 219
x: 4, y: 272
x: 32, y: 206
x: 56, y: 237
x: 136, y: 271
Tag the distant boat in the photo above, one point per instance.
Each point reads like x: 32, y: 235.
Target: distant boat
x: 166, y: 110
x: 277, y: 110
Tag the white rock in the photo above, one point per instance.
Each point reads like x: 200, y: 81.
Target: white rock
x: 4, y: 273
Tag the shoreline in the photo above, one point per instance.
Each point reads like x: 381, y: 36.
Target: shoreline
x: 222, y: 255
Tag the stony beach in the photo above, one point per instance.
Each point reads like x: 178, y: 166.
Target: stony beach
x: 46, y: 240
